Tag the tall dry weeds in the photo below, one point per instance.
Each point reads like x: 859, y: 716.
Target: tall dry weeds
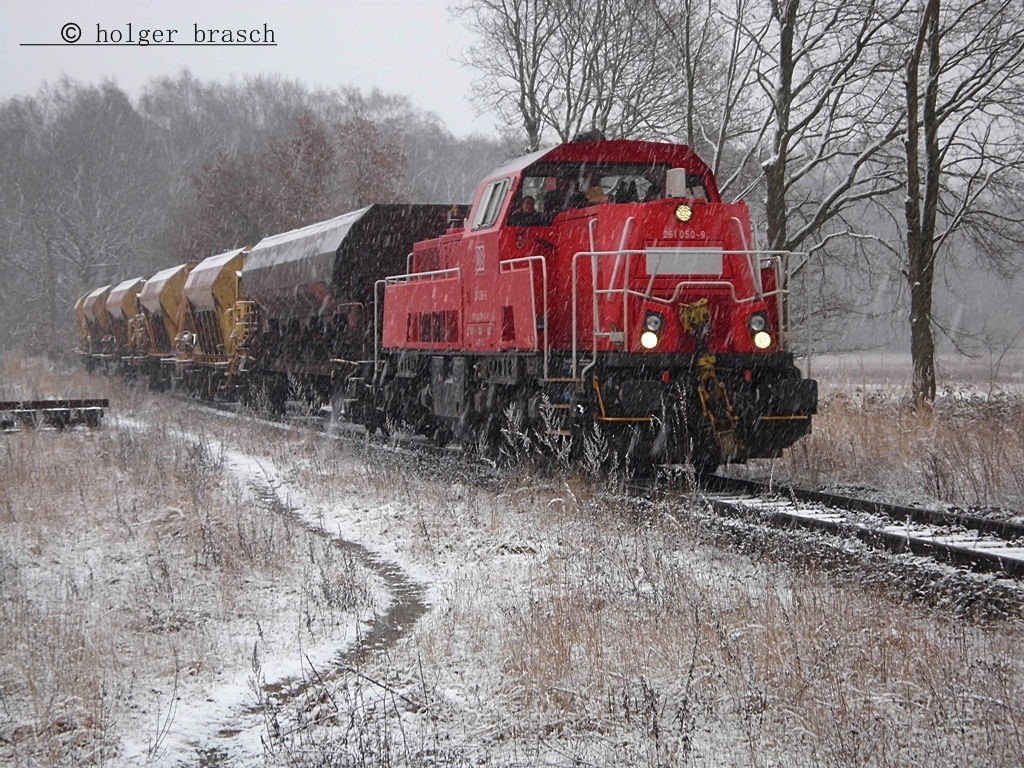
x: 967, y: 450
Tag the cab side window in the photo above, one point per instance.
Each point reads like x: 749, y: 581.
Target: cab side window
x: 490, y: 204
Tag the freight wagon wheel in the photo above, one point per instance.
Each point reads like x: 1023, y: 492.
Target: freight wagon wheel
x: 338, y: 412
x: 306, y: 393
x: 375, y: 420
x: 213, y: 385
x: 266, y: 394
x: 276, y: 401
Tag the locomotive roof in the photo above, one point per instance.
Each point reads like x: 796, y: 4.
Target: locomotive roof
x: 613, y: 151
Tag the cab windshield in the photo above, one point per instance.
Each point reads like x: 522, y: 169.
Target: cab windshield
x: 549, y: 188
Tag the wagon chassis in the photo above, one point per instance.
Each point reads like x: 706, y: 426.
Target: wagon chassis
x: 59, y: 414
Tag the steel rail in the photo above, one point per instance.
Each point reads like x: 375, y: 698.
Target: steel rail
x: 950, y: 537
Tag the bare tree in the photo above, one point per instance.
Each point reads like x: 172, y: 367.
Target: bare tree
x: 241, y: 199
x: 569, y: 66
x: 964, y: 151
x: 94, y: 188
x: 78, y: 193
x: 825, y: 69
x: 607, y: 69
x: 513, y: 55
x: 712, y: 64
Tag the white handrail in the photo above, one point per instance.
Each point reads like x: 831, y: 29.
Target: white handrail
x: 531, y: 260
x: 392, y: 280
x: 409, y: 277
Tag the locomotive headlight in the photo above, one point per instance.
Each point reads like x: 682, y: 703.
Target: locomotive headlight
x: 684, y: 212
x: 759, y: 330
x: 653, y: 322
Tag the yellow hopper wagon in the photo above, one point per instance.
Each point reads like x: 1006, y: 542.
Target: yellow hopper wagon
x: 211, y: 346
x: 123, y: 308
x: 162, y: 314
x: 97, y: 322
x: 82, y: 325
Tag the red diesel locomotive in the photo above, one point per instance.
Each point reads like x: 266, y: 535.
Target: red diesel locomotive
x: 600, y: 288
x: 597, y: 298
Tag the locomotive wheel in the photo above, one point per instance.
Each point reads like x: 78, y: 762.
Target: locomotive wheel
x: 338, y: 413
x: 471, y: 433
x: 515, y: 441
x: 489, y: 440
x: 442, y: 436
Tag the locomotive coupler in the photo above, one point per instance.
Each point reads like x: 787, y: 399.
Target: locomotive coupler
x: 714, y: 397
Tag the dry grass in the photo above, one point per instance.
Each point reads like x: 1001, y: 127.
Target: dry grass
x: 569, y: 626
x: 966, y: 450
x: 131, y: 564
x: 34, y: 378
x: 679, y: 658
x: 573, y: 628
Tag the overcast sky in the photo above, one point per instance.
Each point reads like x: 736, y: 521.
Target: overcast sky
x: 409, y: 47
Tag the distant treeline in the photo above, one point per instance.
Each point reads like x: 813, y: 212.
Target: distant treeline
x: 97, y: 187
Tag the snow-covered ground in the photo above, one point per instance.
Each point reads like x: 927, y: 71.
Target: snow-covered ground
x: 280, y: 597
x: 228, y: 719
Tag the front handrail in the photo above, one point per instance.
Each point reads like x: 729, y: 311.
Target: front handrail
x: 409, y: 277
x: 753, y: 258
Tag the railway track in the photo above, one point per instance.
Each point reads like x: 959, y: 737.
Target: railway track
x: 955, y: 538
x: 977, y: 543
